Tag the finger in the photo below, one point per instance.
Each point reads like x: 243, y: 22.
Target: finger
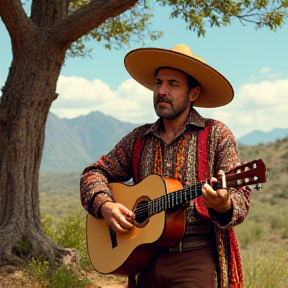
x: 129, y: 213
x: 213, y: 180
x: 124, y: 223
x: 124, y: 210
x: 207, y: 189
x: 121, y: 229
x: 223, y: 193
x: 117, y: 226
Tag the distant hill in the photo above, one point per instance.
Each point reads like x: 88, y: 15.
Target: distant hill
x: 256, y: 137
x: 72, y: 144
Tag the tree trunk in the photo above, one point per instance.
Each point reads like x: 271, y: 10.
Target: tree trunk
x: 27, y: 97
x: 39, y: 45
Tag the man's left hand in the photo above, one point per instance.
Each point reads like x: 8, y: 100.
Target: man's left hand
x: 219, y: 200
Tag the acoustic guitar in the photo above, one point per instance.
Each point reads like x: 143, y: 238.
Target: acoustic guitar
x: 158, y: 205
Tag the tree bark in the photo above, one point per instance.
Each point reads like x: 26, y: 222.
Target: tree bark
x: 39, y: 44
x: 27, y: 97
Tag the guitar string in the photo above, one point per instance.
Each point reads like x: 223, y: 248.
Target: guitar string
x: 161, y: 202
x: 142, y: 209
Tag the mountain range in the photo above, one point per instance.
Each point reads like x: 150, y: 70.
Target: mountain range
x: 72, y: 144
x: 257, y: 137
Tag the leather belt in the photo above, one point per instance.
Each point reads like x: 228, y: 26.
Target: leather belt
x: 189, y: 243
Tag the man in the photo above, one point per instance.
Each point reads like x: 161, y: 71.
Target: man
x: 185, y: 146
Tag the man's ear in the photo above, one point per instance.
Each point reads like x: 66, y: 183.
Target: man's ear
x: 194, y: 93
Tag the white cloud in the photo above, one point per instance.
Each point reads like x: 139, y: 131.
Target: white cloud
x: 78, y: 96
x: 274, y: 76
x: 256, y: 106
x: 252, y: 78
x: 79, y: 93
x: 265, y: 70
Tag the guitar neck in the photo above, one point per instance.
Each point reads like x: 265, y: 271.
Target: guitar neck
x: 175, y: 198
x: 253, y: 172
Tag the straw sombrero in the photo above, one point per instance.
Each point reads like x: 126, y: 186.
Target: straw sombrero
x: 215, y: 88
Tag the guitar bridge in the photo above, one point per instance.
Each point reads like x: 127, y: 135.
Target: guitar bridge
x: 113, y: 237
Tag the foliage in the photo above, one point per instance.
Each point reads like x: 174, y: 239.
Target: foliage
x: 60, y: 276
x: 116, y: 32
x: 69, y: 232
x: 133, y: 25
x: 22, y: 248
x: 200, y: 14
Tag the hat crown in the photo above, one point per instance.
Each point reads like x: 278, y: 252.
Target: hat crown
x: 184, y: 49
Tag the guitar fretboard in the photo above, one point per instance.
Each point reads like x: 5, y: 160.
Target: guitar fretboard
x: 175, y: 198
x: 253, y: 172
x: 169, y: 201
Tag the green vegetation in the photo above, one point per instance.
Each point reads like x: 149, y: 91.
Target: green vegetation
x: 54, y: 277
x: 263, y: 237
x: 69, y: 232
x: 59, y: 194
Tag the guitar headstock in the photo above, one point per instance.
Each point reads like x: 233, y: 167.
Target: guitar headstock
x: 250, y: 173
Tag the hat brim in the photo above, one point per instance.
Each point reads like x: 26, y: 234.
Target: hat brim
x: 142, y: 63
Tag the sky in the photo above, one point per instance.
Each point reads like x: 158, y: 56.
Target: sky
x: 255, y: 61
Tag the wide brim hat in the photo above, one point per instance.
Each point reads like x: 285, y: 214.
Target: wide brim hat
x: 142, y: 64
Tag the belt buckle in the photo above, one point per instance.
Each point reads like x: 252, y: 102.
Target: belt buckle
x: 177, y: 248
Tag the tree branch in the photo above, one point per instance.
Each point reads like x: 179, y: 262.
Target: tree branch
x: 14, y: 18
x: 87, y: 18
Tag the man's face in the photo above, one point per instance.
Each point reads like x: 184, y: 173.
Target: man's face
x: 171, y: 93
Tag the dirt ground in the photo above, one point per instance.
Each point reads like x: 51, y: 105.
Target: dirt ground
x: 105, y: 281
x: 16, y: 279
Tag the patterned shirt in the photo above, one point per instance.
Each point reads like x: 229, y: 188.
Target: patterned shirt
x: 203, y: 147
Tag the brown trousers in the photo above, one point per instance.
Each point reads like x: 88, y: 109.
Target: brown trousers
x: 191, y: 269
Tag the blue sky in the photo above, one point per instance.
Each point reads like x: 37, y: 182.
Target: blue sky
x: 254, y: 61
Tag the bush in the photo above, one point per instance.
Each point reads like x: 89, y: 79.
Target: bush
x: 70, y: 232
x: 54, y: 277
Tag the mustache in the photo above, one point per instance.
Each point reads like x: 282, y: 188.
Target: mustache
x: 162, y: 99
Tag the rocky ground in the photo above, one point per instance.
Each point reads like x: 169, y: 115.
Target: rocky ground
x: 16, y: 279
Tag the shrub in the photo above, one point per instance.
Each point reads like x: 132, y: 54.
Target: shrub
x: 69, y: 232
x: 59, y: 276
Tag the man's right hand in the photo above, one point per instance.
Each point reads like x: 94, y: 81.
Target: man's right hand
x: 118, y: 216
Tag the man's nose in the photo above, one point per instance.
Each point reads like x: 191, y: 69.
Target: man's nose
x: 163, y: 89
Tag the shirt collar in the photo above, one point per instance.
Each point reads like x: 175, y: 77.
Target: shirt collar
x: 194, y: 118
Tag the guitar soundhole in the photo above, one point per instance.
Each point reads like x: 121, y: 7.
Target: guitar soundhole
x: 141, y: 212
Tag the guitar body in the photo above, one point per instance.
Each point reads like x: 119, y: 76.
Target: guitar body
x: 136, y: 248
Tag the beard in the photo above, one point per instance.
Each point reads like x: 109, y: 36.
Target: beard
x: 170, y: 111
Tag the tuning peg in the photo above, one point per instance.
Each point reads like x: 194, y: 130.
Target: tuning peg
x: 258, y: 186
